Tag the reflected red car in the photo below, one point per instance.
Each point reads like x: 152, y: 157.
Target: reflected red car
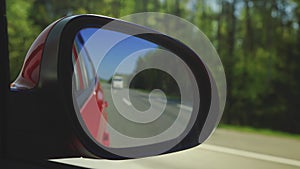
x: 88, y: 92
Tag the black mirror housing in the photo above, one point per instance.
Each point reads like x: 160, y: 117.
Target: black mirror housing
x: 44, y: 124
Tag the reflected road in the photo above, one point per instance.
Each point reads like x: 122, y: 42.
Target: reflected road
x: 140, y: 100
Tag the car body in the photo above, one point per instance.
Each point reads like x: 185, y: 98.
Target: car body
x: 86, y: 87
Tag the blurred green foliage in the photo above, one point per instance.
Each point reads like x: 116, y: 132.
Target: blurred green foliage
x: 21, y: 32
x: 257, y: 40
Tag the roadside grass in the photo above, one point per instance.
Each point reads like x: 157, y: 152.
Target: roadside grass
x: 268, y: 132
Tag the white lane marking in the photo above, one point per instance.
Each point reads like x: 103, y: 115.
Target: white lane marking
x: 188, y: 108
x: 127, y: 102
x: 249, y: 154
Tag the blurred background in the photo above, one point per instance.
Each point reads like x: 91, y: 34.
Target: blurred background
x: 258, y: 42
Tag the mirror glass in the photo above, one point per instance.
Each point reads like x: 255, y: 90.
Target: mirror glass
x: 129, y: 91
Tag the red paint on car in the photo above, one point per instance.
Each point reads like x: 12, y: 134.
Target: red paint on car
x: 29, y: 75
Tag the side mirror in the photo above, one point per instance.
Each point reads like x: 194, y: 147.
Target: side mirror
x: 99, y: 87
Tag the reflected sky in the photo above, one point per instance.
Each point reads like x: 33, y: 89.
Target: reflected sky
x: 115, y: 47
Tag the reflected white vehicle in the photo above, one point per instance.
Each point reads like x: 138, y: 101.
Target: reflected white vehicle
x: 117, y: 82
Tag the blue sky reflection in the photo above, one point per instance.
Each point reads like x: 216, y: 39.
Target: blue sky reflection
x: 108, y: 49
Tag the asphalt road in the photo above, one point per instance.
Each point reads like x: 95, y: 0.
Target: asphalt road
x: 225, y: 149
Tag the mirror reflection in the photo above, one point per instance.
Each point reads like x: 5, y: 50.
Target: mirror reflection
x: 129, y: 91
